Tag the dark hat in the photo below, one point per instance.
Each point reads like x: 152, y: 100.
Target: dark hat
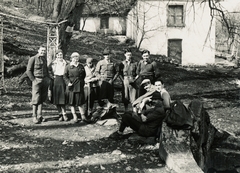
x: 58, y: 51
x: 106, y: 51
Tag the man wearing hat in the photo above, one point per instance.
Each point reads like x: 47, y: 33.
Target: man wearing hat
x: 106, y: 72
x: 148, y: 120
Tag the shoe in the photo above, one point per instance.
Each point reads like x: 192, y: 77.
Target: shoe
x: 75, y: 120
x: 60, y: 118
x: 65, y: 118
x: 41, y: 119
x: 35, y: 120
x: 116, y: 136
x: 88, y: 121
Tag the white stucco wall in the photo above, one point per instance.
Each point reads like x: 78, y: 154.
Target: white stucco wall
x: 117, y: 25
x: 198, y: 41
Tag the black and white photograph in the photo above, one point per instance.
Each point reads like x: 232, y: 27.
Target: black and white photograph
x: 119, y: 86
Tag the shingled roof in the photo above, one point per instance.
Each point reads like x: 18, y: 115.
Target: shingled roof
x: 108, y: 7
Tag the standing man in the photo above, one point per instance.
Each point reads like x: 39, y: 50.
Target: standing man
x: 91, y: 88
x: 106, y: 72
x: 146, y: 69
x: 127, y: 71
x: 37, y: 72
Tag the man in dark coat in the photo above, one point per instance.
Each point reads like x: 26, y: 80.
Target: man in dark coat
x: 147, y: 122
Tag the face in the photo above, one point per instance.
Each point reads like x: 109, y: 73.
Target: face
x: 75, y: 59
x: 147, y: 86
x: 42, y: 51
x: 128, y: 56
x: 159, y: 85
x: 107, y: 57
x: 89, y: 64
x: 59, y: 56
x: 145, y: 57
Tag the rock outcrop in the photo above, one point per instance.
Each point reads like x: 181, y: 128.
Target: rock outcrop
x: 204, y: 148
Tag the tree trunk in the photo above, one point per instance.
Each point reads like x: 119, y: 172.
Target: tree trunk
x: 73, y: 18
x: 56, y: 9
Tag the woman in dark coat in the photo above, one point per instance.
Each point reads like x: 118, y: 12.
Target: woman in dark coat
x: 74, y: 76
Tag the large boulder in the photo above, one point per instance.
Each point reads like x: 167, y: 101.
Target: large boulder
x: 204, y: 147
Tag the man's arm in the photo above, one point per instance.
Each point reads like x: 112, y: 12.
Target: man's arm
x: 30, y: 68
x: 116, y: 72
x: 121, y: 66
x: 97, y: 70
x: 166, y: 100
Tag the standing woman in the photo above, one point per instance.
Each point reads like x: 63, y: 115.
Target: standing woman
x: 74, y: 77
x: 57, y: 67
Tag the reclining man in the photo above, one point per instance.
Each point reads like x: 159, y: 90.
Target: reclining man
x: 154, y: 106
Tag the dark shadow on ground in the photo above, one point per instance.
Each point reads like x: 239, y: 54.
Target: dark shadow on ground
x: 49, y: 149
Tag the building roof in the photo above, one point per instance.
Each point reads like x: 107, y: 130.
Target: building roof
x: 108, y: 7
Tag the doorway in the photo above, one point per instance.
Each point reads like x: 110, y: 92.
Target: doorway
x: 175, y: 50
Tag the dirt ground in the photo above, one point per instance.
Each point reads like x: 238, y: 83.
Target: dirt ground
x: 67, y: 147
x: 55, y: 146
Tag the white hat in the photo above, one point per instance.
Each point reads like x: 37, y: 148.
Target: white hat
x: 75, y: 54
x: 145, y: 81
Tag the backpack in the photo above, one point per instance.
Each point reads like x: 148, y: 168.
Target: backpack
x: 180, y: 116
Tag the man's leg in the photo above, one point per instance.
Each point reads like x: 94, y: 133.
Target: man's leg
x: 127, y: 121
x: 39, y: 113
x: 35, y: 99
x: 34, y: 113
x: 126, y: 94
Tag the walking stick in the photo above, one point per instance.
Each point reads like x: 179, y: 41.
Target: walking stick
x: 89, y: 97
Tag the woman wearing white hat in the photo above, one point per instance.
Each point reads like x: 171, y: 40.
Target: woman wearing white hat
x: 74, y: 76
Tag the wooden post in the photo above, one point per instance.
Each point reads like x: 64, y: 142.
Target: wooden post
x: 52, y: 41
x: 2, y: 85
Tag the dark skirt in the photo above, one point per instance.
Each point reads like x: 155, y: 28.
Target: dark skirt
x: 75, y: 98
x: 59, y: 91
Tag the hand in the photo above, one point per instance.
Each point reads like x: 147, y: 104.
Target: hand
x: 110, y: 81
x: 147, y: 99
x: 141, y: 105
x: 70, y: 84
x: 144, y: 118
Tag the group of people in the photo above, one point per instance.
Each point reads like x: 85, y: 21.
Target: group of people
x: 80, y: 86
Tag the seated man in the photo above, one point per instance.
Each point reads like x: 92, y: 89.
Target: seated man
x: 147, y: 123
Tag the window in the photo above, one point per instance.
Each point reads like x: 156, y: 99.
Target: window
x: 104, y: 22
x: 175, y: 16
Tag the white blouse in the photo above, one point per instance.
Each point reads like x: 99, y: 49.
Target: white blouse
x: 58, y: 67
